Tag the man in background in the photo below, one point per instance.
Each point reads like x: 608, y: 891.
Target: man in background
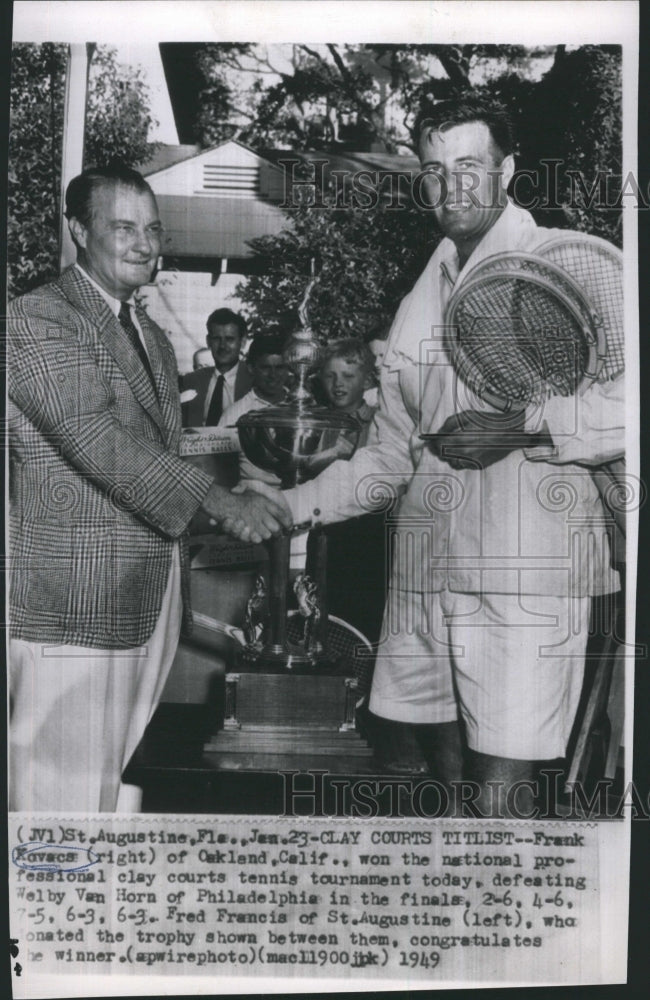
x: 269, y: 373
x: 100, y: 506
x: 220, y: 386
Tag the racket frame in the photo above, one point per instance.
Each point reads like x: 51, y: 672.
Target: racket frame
x: 585, y: 242
x: 526, y: 267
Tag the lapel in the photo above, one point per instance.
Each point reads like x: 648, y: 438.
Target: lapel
x: 243, y: 380
x: 163, y: 363
x: 87, y: 300
x: 203, y: 377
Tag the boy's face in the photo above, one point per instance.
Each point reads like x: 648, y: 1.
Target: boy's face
x: 269, y: 376
x: 345, y: 383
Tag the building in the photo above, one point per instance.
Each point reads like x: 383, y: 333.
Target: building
x: 214, y: 201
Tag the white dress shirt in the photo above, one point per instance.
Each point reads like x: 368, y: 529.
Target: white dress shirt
x: 114, y: 304
x: 229, y: 379
x: 518, y: 526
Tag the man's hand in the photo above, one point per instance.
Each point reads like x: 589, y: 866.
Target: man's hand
x: 259, y: 486
x: 474, y: 439
x: 248, y: 516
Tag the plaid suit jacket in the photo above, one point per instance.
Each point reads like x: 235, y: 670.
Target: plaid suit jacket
x: 98, y: 493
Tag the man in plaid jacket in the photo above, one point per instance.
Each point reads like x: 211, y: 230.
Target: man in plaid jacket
x: 100, y: 506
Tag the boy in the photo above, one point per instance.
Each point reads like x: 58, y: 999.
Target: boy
x: 347, y: 371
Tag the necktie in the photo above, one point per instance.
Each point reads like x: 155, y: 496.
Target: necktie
x: 216, y: 404
x: 129, y: 328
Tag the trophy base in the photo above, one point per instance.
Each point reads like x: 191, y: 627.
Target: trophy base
x: 283, y: 713
x: 284, y: 703
x: 288, y: 740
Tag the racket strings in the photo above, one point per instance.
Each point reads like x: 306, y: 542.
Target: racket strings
x: 516, y: 339
x: 598, y: 271
x: 353, y: 653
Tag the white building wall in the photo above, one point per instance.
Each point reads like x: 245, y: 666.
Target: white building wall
x: 181, y: 301
x: 189, y: 176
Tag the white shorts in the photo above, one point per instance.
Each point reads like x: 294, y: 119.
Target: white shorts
x: 512, y: 664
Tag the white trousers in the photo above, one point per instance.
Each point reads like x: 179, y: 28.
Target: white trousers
x: 77, y: 714
x: 511, y: 665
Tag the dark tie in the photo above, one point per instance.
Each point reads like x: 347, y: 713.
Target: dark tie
x: 216, y: 404
x: 129, y: 328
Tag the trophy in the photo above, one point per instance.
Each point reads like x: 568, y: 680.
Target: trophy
x: 292, y: 689
x: 287, y: 440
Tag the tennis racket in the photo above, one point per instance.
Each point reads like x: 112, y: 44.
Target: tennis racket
x: 522, y: 327
x: 347, y: 646
x: 597, y: 267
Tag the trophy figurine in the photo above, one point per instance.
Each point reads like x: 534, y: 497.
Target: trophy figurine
x: 287, y: 439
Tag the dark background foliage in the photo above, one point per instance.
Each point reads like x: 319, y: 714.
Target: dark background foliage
x: 117, y: 123
x: 333, y: 98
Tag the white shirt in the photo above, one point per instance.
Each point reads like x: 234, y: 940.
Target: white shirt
x: 229, y: 378
x: 518, y: 526
x: 115, y: 304
x: 251, y: 401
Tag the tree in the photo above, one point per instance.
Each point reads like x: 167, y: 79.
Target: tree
x: 317, y: 96
x: 296, y: 95
x: 366, y: 261
x: 368, y: 258
x: 577, y: 113
x: 34, y: 176
x: 118, y: 120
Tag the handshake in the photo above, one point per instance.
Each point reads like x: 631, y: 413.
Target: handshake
x: 251, y: 513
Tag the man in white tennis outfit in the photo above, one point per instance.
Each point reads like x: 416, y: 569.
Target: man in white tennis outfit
x: 497, y: 549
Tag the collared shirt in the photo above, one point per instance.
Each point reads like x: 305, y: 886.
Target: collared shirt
x: 518, y: 526
x: 364, y: 415
x: 229, y: 379
x: 114, y: 304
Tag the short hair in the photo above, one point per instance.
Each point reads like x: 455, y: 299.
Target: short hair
x: 80, y: 190
x: 264, y: 345
x: 224, y: 317
x: 463, y: 110
x: 350, y: 349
